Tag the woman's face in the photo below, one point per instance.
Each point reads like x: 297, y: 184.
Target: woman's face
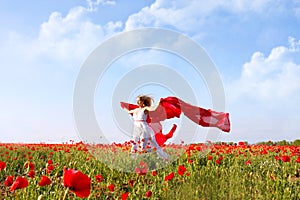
x: 140, y: 102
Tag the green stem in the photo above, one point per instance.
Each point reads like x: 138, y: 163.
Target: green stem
x: 65, y: 195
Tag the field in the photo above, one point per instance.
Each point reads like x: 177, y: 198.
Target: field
x: 219, y: 171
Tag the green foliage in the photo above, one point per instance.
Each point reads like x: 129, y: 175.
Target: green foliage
x: 228, y: 171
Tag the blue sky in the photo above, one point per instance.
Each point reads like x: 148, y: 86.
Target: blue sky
x: 255, y: 45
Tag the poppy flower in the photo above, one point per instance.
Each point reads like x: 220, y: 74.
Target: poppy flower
x: 277, y: 157
x: 248, y: 162
x: 148, y: 194
x: 19, y: 183
x: 44, y: 181
x: 125, y: 195
x: 169, y: 177
x: 209, y: 157
x: 99, y: 178
x: 77, y: 182
x: 142, y: 169
x: 154, y: 173
x: 181, y: 170
x: 218, y: 161
x: 131, y: 182
x: 31, y: 174
x: 285, y: 158
x: 298, y: 160
x: 9, y: 181
x: 29, y: 165
x: 2, y: 165
x: 111, y: 187
x: 50, y: 168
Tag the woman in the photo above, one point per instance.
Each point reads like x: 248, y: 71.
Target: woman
x: 142, y: 132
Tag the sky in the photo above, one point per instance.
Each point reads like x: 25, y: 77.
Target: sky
x: 255, y: 46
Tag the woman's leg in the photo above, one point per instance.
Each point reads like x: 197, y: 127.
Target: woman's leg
x: 159, y: 150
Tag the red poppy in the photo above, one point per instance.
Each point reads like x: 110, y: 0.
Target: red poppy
x: 285, y: 158
x: 181, y: 170
x: 169, y: 177
x: 218, y: 162
x: 154, y: 173
x: 2, y: 165
x: 19, y: 183
x: 142, y: 169
x: 44, y: 181
x: 77, y: 182
x: 277, y: 157
x: 125, y: 195
x: 9, y: 181
x: 241, y: 143
x: 209, y: 157
x: 31, y: 174
x: 131, y: 182
x: 50, y: 168
x: 111, y: 187
x: 148, y: 194
x: 248, y: 162
x: 99, y: 178
x: 298, y: 160
x: 29, y: 165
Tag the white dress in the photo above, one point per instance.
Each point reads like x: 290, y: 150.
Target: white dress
x: 141, y: 128
x: 143, y: 133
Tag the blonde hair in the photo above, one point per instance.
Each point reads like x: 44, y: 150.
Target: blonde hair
x: 147, y: 100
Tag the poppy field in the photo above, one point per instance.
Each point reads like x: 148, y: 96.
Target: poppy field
x: 217, y: 171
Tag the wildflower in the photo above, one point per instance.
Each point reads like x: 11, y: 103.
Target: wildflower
x: 31, y: 174
x: 99, y: 178
x: 248, y: 162
x: 148, y: 194
x: 142, y: 170
x: 181, y: 170
x: 209, y: 157
x: 169, y: 177
x: 2, y: 165
x: 125, y: 195
x: 19, y: 183
x: 285, y: 158
x: 77, y: 182
x: 44, y: 181
x: 111, y: 187
x: 131, y: 182
x: 50, y: 168
x: 9, y: 181
x: 154, y: 173
x: 29, y: 165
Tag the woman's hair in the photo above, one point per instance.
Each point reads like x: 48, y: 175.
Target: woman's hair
x: 148, y: 101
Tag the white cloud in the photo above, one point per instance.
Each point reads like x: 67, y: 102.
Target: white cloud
x: 93, y: 5
x: 273, y: 77
x: 62, y: 40
x: 192, y: 15
x: 38, y: 71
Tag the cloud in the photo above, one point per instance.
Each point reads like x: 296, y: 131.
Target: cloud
x: 38, y: 73
x: 72, y: 37
x: 190, y: 16
x: 274, y: 77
